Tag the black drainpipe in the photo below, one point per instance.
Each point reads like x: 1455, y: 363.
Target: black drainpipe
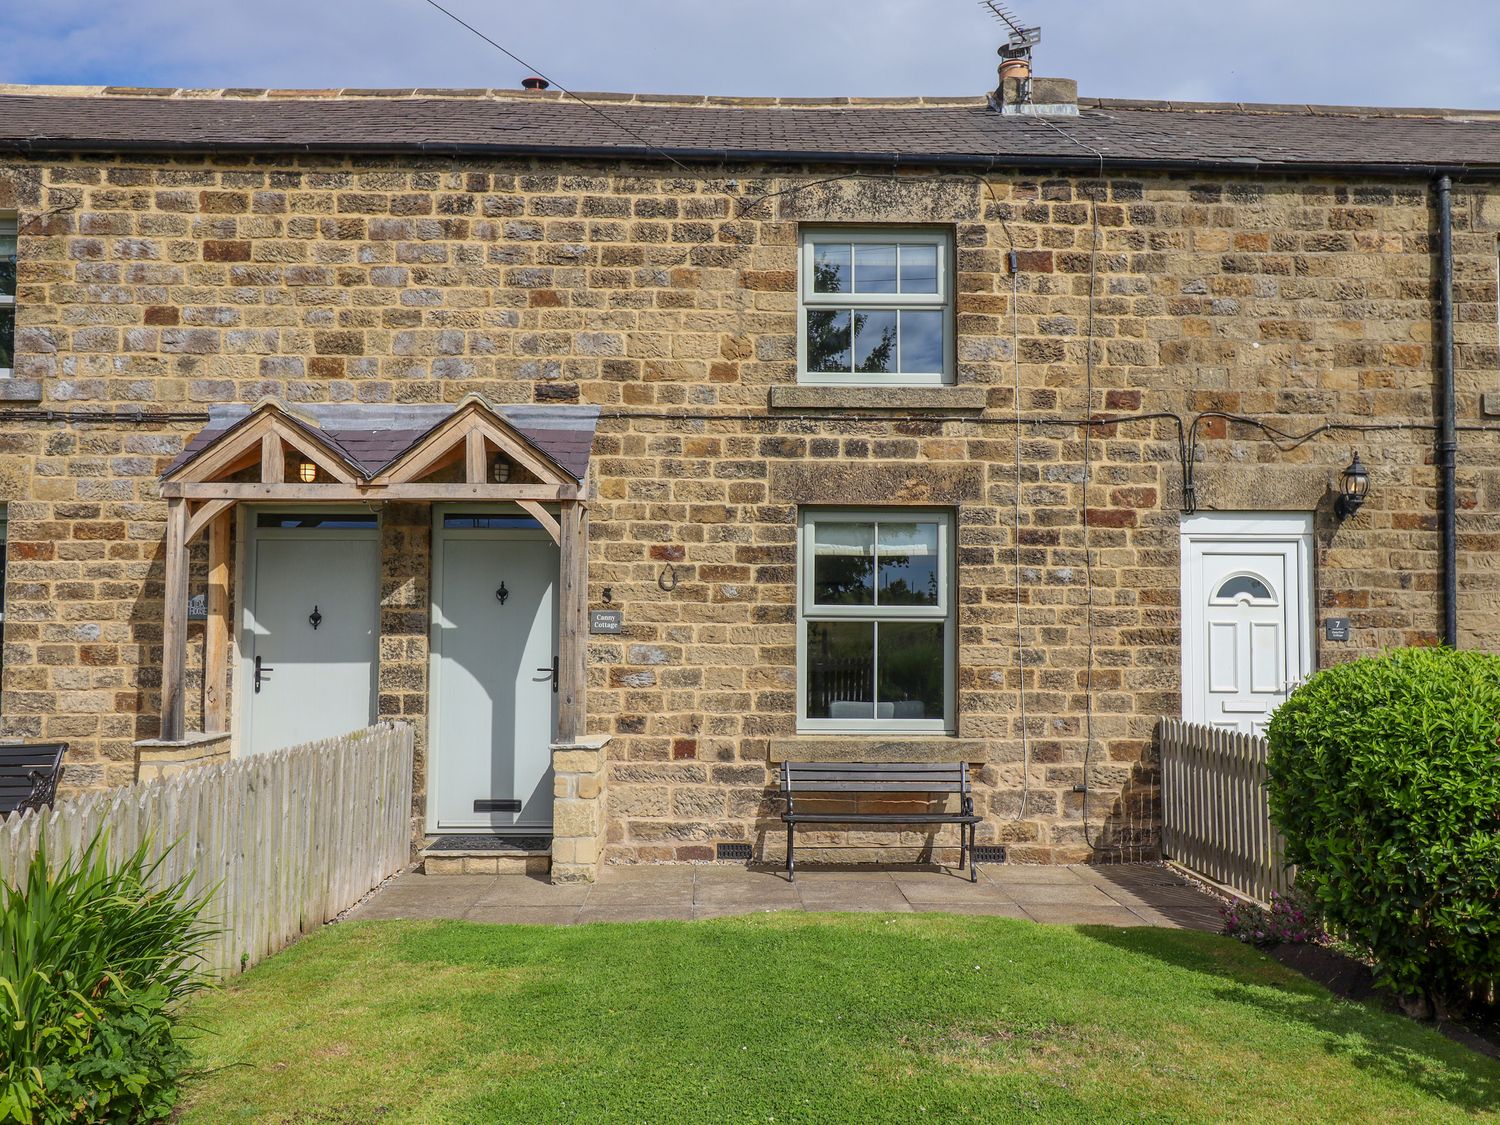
x: 1447, y: 445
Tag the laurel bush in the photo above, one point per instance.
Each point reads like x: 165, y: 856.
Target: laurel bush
x: 1385, y: 783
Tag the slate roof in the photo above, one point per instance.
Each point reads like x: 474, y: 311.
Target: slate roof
x: 371, y: 437
x: 919, y: 131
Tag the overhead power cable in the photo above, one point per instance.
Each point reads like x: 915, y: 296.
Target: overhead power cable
x: 620, y: 125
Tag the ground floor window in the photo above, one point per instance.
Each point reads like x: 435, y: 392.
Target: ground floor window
x: 875, y: 628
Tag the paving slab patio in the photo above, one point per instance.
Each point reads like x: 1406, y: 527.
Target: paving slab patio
x: 1112, y: 895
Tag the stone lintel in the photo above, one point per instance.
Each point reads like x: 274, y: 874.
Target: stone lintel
x: 879, y: 398
x: 869, y: 748
x: 823, y: 482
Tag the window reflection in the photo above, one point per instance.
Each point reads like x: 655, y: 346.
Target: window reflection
x: 919, y: 268
x: 875, y: 341
x: 921, y: 340
x: 844, y: 564
x: 828, y: 340
x: 831, y: 268
x: 874, y: 268
x: 908, y: 564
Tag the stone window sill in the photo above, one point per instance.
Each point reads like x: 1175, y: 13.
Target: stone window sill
x: 878, y: 398
x: 20, y: 390
x: 875, y: 748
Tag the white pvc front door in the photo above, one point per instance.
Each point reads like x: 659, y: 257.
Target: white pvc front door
x: 1246, y: 615
x: 494, y: 707
x: 311, y: 628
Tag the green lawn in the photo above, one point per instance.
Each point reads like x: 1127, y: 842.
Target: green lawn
x: 795, y: 1017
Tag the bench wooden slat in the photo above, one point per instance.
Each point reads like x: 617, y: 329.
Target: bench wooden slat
x: 917, y: 787
x: 876, y: 767
x: 884, y: 818
x: 888, y: 775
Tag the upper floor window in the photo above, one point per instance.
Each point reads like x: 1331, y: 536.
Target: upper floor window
x: 7, y: 295
x: 875, y: 637
x: 876, y: 307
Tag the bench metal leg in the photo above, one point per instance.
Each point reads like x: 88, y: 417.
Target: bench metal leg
x: 973, y: 868
x: 791, y: 873
x: 963, y: 845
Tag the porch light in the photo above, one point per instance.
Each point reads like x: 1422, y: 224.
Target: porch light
x: 499, y: 470
x: 1356, y: 486
x: 307, y: 472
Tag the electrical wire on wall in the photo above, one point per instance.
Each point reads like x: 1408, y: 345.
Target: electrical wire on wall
x: 1015, y: 356
x: 1088, y: 558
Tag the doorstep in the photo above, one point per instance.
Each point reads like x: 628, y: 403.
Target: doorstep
x: 487, y: 855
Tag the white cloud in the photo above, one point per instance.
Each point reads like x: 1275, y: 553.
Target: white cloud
x: 1269, y: 50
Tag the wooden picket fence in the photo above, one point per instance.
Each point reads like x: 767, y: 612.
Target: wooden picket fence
x: 283, y: 842
x: 1215, y: 817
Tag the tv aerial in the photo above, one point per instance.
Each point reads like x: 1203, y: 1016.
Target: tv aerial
x: 1021, y: 39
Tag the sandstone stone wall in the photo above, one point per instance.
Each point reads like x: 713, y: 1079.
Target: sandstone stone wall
x: 167, y: 285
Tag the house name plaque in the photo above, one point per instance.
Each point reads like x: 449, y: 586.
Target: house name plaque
x: 606, y: 621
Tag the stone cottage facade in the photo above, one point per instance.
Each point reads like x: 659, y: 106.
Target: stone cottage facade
x: 915, y: 430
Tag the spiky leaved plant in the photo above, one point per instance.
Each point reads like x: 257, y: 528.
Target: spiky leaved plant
x: 94, y: 957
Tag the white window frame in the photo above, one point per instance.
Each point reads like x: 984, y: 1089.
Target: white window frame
x: 942, y: 301
x: 8, y: 225
x: 942, y: 612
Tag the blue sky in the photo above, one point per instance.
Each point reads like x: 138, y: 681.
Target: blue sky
x: 1339, y: 51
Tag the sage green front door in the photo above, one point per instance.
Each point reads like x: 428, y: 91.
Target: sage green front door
x: 494, y: 643
x: 311, y: 627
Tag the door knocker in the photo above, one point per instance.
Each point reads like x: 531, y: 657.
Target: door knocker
x: 502, y: 593
x: 315, y: 619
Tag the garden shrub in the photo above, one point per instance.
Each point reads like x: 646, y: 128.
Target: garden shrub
x: 93, y: 959
x: 1385, y: 782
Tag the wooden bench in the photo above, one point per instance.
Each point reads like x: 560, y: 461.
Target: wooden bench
x: 887, y: 778
x: 29, y: 774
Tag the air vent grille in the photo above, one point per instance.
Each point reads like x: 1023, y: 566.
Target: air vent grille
x: 989, y: 853
x: 737, y: 852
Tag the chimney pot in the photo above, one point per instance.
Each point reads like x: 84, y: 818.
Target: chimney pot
x: 1019, y: 68
x: 534, y: 83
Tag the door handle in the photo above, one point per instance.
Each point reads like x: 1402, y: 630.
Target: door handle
x: 261, y: 671
x: 552, y: 671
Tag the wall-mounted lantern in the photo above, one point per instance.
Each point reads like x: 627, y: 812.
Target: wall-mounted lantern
x: 307, y: 472
x: 1356, y: 486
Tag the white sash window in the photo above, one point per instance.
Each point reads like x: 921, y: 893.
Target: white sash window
x: 875, y: 632
x: 876, y: 307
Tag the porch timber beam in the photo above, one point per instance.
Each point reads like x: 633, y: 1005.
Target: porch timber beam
x: 572, y: 623
x: 205, y: 515
x: 216, y: 628
x: 272, y: 458
x: 543, y: 517
x: 343, y: 493
x: 474, y: 457
x: 174, y: 625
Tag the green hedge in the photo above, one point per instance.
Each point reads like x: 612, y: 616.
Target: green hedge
x: 93, y: 960
x: 1385, y: 782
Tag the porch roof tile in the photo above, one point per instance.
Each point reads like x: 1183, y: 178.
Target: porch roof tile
x: 370, y: 437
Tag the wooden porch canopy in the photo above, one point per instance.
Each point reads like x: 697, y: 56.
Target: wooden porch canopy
x: 533, y: 456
